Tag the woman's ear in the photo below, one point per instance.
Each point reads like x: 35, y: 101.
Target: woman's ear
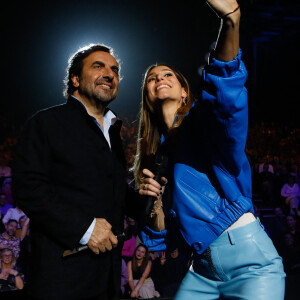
x: 183, y: 93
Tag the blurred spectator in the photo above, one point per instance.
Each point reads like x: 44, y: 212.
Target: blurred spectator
x: 25, y: 245
x: 291, y: 192
x: 277, y: 165
x: 129, y: 245
x: 8, y: 239
x: 290, y: 254
x: 5, y: 170
x: 133, y: 227
x: 124, y: 277
x: 23, y: 221
x: 168, y: 272
x: 4, y: 206
x: 265, y: 166
x: 292, y: 227
x: 277, y: 226
x: 14, y: 213
x: 154, y: 255
x: 297, y: 176
x: 10, y: 276
x: 6, y: 188
x: 139, y: 280
x: 280, y: 220
x: 2, y: 226
x: 265, y: 182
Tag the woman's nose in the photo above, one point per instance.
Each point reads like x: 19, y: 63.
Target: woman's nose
x: 159, y: 77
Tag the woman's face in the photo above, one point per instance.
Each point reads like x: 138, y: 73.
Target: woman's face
x: 162, y: 84
x: 6, y: 257
x: 140, y: 253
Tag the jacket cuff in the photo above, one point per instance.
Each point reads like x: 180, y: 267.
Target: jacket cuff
x: 154, y: 240
x: 223, y: 68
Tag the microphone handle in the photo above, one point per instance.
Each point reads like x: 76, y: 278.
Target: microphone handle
x: 150, y: 199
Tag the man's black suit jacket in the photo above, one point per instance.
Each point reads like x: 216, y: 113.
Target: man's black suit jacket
x: 65, y: 175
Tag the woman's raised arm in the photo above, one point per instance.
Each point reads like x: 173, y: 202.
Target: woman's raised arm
x: 227, y: 45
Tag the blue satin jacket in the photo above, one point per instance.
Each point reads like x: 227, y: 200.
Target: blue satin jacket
x: 210, y: 178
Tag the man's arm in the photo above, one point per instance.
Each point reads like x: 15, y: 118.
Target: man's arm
x: 35, y: 192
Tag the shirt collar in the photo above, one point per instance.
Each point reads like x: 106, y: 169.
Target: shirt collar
x: 109, y: 116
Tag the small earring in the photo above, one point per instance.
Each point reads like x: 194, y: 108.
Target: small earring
x: 185, y: 101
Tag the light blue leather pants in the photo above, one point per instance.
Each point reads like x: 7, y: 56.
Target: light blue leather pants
x: 241, y: 264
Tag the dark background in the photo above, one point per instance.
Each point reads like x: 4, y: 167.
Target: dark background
x: 38, y: 38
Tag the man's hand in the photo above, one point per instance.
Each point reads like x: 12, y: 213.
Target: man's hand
x: 102, y: 238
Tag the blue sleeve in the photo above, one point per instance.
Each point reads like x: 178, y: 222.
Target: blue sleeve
x: 154, y: 240
x: 225, y: 96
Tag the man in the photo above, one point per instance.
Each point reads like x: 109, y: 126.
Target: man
x: 8, y: 238
x: 69, y: 178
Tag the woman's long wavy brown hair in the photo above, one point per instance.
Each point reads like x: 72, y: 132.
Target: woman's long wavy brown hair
x: 144, y: 262
x: 150, y: 126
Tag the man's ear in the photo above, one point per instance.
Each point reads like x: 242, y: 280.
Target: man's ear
x: 75, y: 80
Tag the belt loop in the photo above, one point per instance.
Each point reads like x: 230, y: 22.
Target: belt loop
x: 231, y: 237
x: 261, y: 225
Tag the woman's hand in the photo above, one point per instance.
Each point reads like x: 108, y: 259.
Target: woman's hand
x: 222, y: 7
x: 163, y: 258
x: 4, y: 275
x: 150, y: 187
x: 11, y: 272
x: 134, y: 294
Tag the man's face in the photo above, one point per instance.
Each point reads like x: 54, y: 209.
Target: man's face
x: 11, y: 228
x: 99, y: 78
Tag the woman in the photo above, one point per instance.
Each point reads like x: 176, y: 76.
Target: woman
x: 10, y: 278
x: 139, y: 268
x: 129, y: 245
x: 291, y: 192
x: 208, y: 196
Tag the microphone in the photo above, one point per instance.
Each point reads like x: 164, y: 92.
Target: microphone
x: 122, y: 237
x: 160, y: 166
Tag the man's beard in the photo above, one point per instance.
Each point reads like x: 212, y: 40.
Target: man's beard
x: 10, y: 233
x: 103, y: 100
x: 102, y: 96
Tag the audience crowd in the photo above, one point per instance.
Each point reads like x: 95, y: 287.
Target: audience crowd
x: 273, y: 152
